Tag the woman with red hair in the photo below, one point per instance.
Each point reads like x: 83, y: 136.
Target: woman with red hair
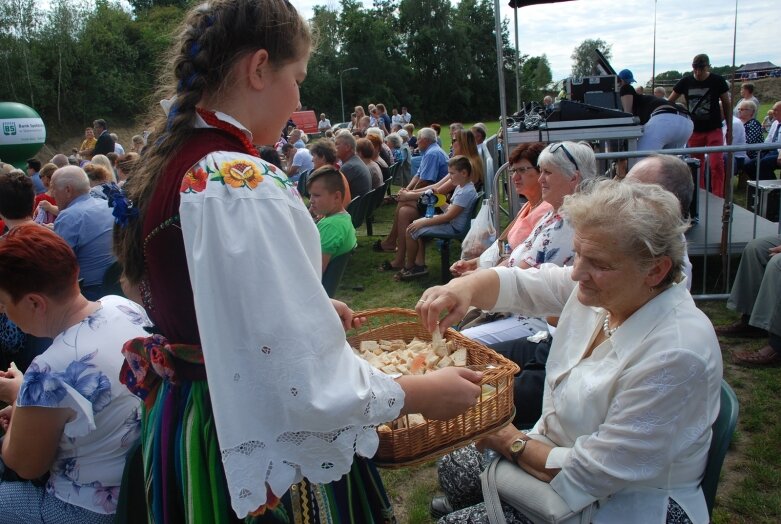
x: 68, y: 414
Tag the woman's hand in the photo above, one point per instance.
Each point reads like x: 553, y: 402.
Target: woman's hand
x: 461, y: 267
x: 442, y: 394
x: 5, y: 417
x: 346, y: 315
x: 533, y: 458
x: 437, y: 300
x: 416, y: 225
x: 10, y: 383
x: 775, y: 250
x: 500, y: 440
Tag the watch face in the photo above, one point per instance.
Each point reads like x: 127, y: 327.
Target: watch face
x: 517, y: 446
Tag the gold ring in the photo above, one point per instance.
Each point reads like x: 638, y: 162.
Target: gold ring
x: 421, y: 300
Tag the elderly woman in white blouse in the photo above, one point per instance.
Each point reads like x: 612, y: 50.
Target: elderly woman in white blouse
x: 634, y: 373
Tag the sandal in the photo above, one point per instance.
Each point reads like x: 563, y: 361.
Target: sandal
x: 387, y: 266
x: 413, y: 272
x: 378, y: 247
x: 765, y: 357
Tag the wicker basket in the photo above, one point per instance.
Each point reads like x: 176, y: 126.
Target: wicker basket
x: 423, y: 442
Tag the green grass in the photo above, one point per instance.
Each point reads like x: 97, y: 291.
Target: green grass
x: 750, y: 487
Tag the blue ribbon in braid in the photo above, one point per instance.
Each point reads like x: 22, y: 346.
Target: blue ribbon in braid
x: 172, y: 115
x: 186, y: 83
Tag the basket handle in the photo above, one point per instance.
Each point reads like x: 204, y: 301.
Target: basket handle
x: 398, y: 311
x: 386, y: 311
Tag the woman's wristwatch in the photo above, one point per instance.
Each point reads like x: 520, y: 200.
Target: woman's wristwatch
x: 517, y: 447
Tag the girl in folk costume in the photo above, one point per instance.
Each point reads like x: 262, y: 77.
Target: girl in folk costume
x: 255, y: 405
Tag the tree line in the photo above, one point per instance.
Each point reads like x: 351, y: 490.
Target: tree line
x: 77, y: 60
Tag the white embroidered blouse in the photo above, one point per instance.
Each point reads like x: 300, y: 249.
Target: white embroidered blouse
x: 290, y: 399
x: 633, y: 421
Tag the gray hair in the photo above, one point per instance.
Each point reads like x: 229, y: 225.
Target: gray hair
x: 394, y: 139
x: 72, y: 176
x: 428, y: 133
x: 668, y: 171
x: 114, y: 137
x: 582, y: 154
x: 750, y: 104
x: 345, y: 136
x: 376, y: 131
x: 644, y: 219
x: 660, y: 90
x: 59, y: 160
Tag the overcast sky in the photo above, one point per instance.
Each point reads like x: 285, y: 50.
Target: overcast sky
x: 684, y: 28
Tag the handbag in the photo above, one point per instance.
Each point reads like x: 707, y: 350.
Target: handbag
x: 504, y: 481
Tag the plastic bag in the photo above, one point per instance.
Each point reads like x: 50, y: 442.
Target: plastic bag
x: 481, y: 235
x: 489, y: 257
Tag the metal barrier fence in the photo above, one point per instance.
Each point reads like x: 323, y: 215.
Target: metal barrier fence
x: 503, y: 194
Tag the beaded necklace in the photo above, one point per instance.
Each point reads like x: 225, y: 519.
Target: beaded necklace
x: 606, y: 329
x: 211, y: 118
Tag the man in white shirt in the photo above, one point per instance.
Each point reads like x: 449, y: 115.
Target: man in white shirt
x: 746, y: 94
x: 118, y: 149
x: 298, y: 160
x: 324, y: 124
x: 396, y: 117
x: 406, y: 117
x: 738, y: 138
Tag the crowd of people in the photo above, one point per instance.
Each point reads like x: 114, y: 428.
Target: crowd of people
x: 208, y: 392
x: 707, y: 119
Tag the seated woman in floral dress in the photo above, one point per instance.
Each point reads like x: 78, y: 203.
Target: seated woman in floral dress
x: 69, y: 416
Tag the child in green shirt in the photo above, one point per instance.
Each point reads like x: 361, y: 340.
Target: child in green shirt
x: 337, y: 234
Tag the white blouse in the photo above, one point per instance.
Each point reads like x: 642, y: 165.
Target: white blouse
x: 633, y: 421
x: 80, y: 372
x: 290, y: 399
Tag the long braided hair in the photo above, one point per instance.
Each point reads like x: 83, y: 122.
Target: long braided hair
x: 213, y: 37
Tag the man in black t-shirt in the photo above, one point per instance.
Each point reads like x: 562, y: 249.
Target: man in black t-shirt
x: 704, y: 91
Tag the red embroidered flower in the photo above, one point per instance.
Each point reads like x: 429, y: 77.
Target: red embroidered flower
x: 194, y: 181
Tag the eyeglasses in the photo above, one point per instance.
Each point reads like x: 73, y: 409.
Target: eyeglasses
x: 699, y: 66
x: 521, y: 170
x: 560, y: 145
x: 744, y: 109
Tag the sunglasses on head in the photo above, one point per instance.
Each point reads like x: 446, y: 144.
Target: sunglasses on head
x: 560, y: 145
